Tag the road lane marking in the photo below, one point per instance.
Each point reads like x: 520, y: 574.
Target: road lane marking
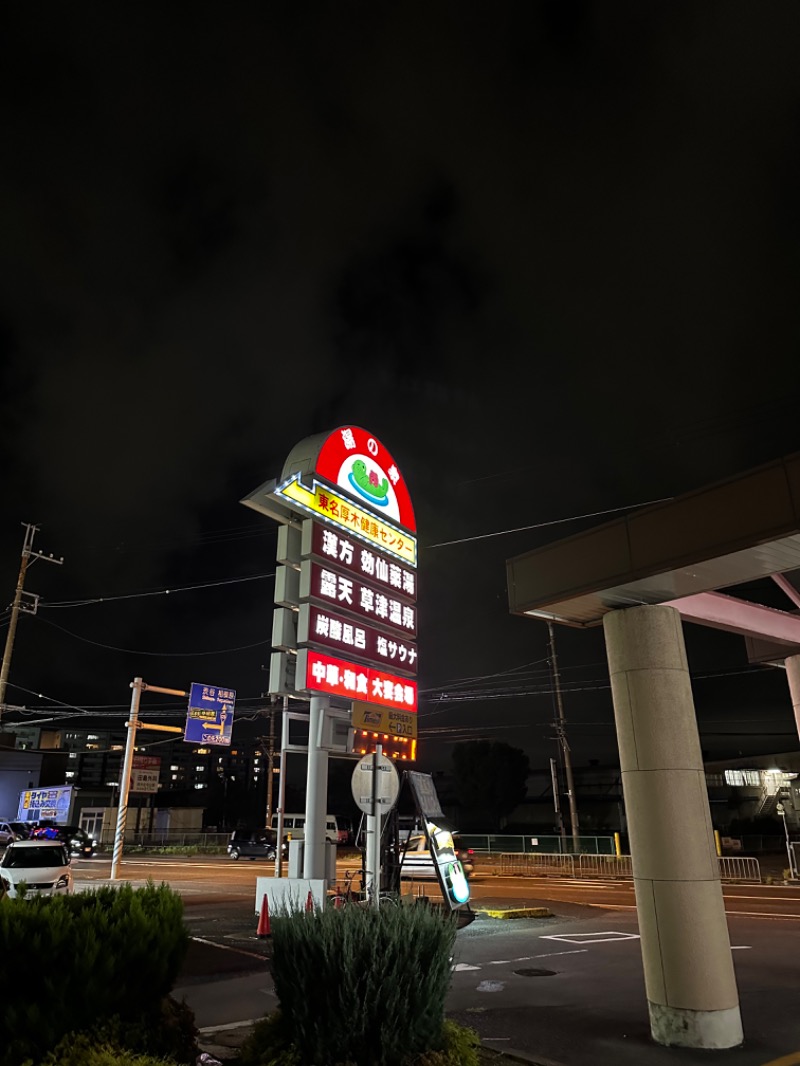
x: 226, y: 947
x: 230, y: 1025
x: 491, y: 986
x: 761, y: 914
x: 792, y: 1059
x: 608, y: 936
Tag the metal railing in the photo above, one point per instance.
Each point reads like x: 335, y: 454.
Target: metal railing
x: 739, y: 868
x: 169, y: 839
x: 536, y: 865
x: 497, y: 843
x: 731, y: 867
x: 604, y: 866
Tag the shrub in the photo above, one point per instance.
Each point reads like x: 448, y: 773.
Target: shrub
x: 270, y: 1044
x: 79, y: 961
x: 83, y: 1051
x: 360, y: 985
x: 168, y: 1030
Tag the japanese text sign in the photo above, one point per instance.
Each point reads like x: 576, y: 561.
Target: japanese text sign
x: 210, y: 716
x: 349, y: 554
x: 318, y: 581
x: 358, y: 463
x: 323, y: 673
x: 322, y: 501
x: 318, y: 626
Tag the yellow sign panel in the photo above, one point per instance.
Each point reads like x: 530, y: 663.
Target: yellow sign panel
x: 384, y: 720
x: 324, y: 502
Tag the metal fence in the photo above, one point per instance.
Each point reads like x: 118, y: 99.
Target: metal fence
x: 739, y: 868
x: 494, y: 843
x: 604, y: 866
x: 541, y: 865
x: 169, y: 839
x: 731, y: 868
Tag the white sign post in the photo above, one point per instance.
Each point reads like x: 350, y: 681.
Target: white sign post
x: 375, y: 786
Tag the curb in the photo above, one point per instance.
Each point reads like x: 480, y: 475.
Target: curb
x: 517, y: 912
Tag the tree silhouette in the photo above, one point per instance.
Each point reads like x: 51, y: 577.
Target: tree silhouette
x: 489, y: 783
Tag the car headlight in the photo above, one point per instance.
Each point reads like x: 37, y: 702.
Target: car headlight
x: 62, y: 882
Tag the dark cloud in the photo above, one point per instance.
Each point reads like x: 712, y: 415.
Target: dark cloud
x: 548, y: 253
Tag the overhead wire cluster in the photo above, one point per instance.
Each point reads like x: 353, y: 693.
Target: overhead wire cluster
x: 521, y: 683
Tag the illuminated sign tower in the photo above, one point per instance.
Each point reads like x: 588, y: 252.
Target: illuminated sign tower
x: 345, y: 622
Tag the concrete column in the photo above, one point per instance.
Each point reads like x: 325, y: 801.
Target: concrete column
x: 316, y: 791
x: 792, y: 664
x: 688, y: 967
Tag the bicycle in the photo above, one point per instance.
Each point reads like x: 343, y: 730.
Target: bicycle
x: 358, y: 897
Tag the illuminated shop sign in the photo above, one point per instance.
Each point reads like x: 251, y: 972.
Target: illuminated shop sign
x: 360, y: 465
x: 318, y: 626
x: 351, y: 555
x: 53, y: 803
x: 336, y: 677
x: 322, y: 501
x: 321, y: 582
x: 384, y: 720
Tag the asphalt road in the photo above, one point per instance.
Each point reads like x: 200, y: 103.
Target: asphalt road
x: 217, y: 878
x: 567, y: 989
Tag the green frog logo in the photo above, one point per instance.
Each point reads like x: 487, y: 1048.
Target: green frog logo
x: 367, y: 485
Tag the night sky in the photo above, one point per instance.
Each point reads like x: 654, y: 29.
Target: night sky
x: 546, y: 252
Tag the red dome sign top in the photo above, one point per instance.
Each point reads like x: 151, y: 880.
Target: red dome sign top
x: 356, y: 462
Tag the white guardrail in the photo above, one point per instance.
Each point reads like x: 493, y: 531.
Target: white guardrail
x: 731, y: 867
x: 739, y: 868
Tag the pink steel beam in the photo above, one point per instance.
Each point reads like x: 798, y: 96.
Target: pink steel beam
x: 719, y: 611
x: 784, y: 583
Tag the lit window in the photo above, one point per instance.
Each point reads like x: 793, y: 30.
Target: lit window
x: 69, y: 773
x: 73, y: 755
x: 201, y: 784
x: 174, y: 777
x: 200, y: 768
x: 174, y: 767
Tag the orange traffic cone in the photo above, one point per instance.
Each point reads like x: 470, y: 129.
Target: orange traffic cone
x: 263, y: 919
x: 310, y: 901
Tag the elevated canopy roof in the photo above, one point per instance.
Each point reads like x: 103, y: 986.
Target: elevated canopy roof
x: 726, y: 534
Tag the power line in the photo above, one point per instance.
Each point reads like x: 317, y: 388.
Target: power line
x: 156, y: 592
x: 552, y: 522
x: 157, y: 654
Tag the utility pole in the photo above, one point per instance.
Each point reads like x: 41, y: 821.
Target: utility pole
x: 270, y: 763
x: 562, y: 739
x: 562, y: 832
x: 27, y: 602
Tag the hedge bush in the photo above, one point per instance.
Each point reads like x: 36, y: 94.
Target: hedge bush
x: 362, y: 986
x: 271, y: 1045
x: 74, y: 963
x: 82, y: 1051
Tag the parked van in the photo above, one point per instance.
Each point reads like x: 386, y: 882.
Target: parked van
x: 294, y: 825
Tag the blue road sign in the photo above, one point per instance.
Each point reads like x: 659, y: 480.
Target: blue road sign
x: 210, y: 716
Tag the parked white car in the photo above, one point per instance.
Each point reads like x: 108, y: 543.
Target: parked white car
x: 42, y: 865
